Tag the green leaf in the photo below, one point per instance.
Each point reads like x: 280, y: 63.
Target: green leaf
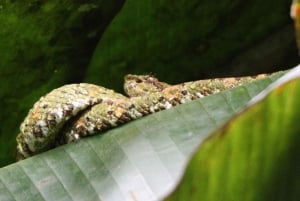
x: 197, y: 38
x: 255, y: 156
x: 141, y: 160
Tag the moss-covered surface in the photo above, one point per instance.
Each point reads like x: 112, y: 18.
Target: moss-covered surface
x: 44, y: 44
x: 186, y: 40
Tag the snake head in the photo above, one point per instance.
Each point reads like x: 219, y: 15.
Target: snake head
x: 140, y: 85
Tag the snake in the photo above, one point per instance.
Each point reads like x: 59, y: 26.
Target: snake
x: 74, y: 111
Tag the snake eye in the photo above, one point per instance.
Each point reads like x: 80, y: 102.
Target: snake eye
x: 184, y: 92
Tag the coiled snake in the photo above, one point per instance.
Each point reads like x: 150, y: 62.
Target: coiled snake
x: 73, y: 111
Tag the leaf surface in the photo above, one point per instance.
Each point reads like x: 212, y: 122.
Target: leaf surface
x: 255, y: 156
x: 141, y: 160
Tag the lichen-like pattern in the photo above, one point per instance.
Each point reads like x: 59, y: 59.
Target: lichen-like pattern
x: 73, y: 111
x: 49, y: 114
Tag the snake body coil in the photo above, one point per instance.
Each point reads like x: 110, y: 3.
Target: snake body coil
x: 73, y: 111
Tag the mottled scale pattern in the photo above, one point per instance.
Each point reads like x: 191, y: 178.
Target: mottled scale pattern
x: 44, y: 121
x: 74, y: 111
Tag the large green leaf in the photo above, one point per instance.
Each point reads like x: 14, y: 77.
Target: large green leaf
x: 224, y: 38
x: 255, y: 156
x: 141, y: 160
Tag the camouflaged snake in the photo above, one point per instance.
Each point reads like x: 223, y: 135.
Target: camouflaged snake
x: 73, y: 111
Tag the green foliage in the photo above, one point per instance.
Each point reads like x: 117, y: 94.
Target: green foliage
x: 254, y: 156
x: 187, y: 40
x: 45, y: 44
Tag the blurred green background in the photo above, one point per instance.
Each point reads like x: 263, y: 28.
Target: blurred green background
x: 45, y: 44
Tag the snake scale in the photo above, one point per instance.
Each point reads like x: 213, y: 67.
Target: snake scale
x: 73, y: 111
